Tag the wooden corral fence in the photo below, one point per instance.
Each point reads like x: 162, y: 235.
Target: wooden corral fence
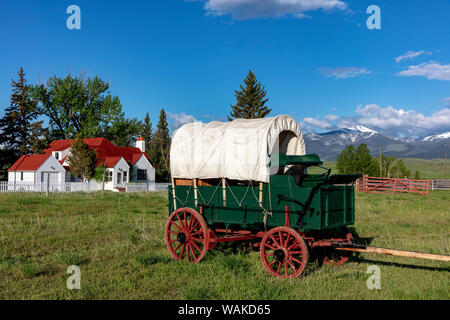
x: 392, y: 185
x: 440, y: 185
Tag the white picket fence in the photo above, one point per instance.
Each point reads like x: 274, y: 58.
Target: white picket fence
x: 440, y: 185
x: 90, y: 186
x: 143, y: 187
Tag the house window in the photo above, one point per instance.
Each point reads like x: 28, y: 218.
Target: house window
x: 21, y: 176
x: 110, y: 175
x: 125, y: 174
x: 142, y: 174
x: 56, y: 155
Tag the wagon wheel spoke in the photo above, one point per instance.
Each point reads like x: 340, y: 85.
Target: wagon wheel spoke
x: 269, y: 246
x: 196, y: 239
x: 274, y: 241
x: 279, y: 267
x: 196, y: 233
x: 195, y: 246
x: 292, y: 246
x: 193, y: 253
x: 286, y: 272
x: 287, y: 240
x: 182, y: 251
x: 179, y: 228
x: 179, y: 245
x: 193, y: 227
x: 296, y: 260
x: 190, y: 223
x: 291, y: 265
x: 181, y: 222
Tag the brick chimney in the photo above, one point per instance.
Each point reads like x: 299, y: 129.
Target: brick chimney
x: 140, y: 143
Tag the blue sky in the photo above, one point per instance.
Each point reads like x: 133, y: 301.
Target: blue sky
x: 317, y: 59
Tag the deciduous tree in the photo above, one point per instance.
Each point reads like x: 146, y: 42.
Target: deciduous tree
x: 74, y: 105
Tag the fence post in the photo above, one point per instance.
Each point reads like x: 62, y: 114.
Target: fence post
x: 103, y: 183
x: 47, y: 184
x: 428, y: 188
x: 395, y: 187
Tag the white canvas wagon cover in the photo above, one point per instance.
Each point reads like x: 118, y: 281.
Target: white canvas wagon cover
x: 237, y: 149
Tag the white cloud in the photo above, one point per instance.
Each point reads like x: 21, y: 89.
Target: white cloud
x: 254, y: 9
x: 447, y: 101
x: 180, y: 118
x: 410, y: 55
x: 389, y: 120
x: 319, y: 123
x: 429, y: 70
x: 343, y: 72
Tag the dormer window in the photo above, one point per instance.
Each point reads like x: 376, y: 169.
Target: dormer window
x: 56, y: 155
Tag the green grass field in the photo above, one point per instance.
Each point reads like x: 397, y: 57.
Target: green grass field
x: 428, y: 169
x: 118, y: 242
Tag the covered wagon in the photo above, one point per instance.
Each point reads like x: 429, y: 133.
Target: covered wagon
x: 249, y: 181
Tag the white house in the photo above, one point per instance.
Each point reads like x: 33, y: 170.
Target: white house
x: 35, y: 169
x: 120, y: 162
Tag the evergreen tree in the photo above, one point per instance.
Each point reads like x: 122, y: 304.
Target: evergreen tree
x: 21, y: 133
x: 356, y: 160
x: 146, y: 131
x: 250, y: 102
x: 81, y: 159
x: 346, y: 160
x: 160, y: 149
x: 365, y: 164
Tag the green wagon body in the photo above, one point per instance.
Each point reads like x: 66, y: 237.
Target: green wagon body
x: 329, y: 201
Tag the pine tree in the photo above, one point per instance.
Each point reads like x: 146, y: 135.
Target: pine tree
x: 250, y: 102
x: 81, y: 159
x: 160, y: 149
x: 346, y: 160
x: 356, y: 161
x: 20, y: 132
x: 365, y: 164
x: 146, y: 131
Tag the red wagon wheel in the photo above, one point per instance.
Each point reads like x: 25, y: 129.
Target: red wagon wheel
x: 284, y: 253
x: 186, y: 235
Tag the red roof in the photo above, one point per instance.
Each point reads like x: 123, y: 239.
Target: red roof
x: 106, y: 151
x: 110, y: 162
x: 29, y: 162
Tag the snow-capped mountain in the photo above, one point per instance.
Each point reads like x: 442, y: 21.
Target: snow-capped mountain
x: 437, y: 137
x: 329, y: 144
x: 361, y: 128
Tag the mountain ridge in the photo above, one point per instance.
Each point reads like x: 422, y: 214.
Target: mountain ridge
x: 328, y: 145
